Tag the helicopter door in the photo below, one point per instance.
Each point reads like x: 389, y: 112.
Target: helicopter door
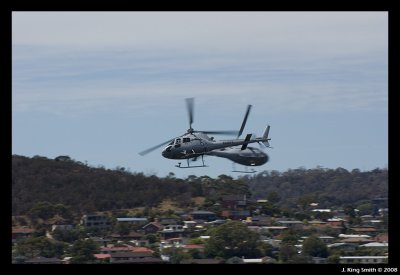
x: 177, y: 143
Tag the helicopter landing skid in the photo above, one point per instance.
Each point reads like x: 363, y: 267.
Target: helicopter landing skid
x: 248, y: 172
x: 193, y: 166
x: 197, y: 166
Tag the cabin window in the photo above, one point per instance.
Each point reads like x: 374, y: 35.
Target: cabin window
x: 178, y: 141
x: 186, y: 140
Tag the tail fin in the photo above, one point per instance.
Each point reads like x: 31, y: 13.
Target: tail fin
x: 265, y: 136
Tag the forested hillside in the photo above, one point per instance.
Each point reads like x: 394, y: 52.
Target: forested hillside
x: 328, y: 187
x: 83, y: 188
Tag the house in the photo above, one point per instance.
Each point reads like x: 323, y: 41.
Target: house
x: 94, y: 221
x: 64, y: 227
x: 335, y: 222
x: 200, y: 216
x: 343, y: 246
x: 133, y: 221
x: 327, y: 239
x: 318, y: 225
x: 172, y: 242
x: 152, y: 228
x: 292, y: 224
x: 166, y: 221
x: 189, y: 225
x: 102, y: 257
x: 234, y: 201
x: 114, y: 249
x: 21, y: 232
x: 172, y: 231
x: 142, y: 242
x: 260, y: 220
x: 356, y: 240
x: 132, y: 235
x: 365, y: 229
x: 327, y: 210
x: 353, y: 236
x: 275, y: 230
x: 235, y: 214
x: 142, y: 251
x: 363, y: 259
x: 264, y: 260
x: 376, y: 245
x: 134, y: 258
x: 201, y: 261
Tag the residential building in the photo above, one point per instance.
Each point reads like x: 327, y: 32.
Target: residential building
x: 363, y: 259
x: 152, y: 228
x: 96, y: 221
x: 172, y: 231
x: 133, y: 221
x: 21, y: 232
x: 134, y: 258
x: 235, y: 214
x: 65, y: 227
x: 234, y: 201
x: 203, y: 216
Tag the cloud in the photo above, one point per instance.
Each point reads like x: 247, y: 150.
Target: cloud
x: 78, y: 62
x: 223, y: 31
x: 84, y: 81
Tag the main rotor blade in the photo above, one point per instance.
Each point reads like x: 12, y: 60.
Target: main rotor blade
x: 190, y: 107
x: 244, y: 120
x: 218, y: 132
x: 154, y: 148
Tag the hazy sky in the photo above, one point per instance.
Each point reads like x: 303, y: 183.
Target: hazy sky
x: 103, y: 86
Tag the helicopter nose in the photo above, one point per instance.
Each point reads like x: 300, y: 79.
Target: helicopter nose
x: 166, y: 153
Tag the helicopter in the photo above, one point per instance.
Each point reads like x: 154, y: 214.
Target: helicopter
x: 194, y: 144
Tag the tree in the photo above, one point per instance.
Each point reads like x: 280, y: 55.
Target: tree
x: 69, y: 236
x: 273, y: 197
x: 286, y: 252
x: 82, y: 251
x: 123, y: 228
x: 176, y: 255
x: 290, y: 237
x: 232, y: 239
x: 333, y: 259
x: 349, y: 210
x: 313, y: 246
x: 39, y: 246
x: 152, y: 238
x: 43, y: 210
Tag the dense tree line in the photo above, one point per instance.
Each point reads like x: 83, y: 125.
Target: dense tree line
x: 64, y: 186
x: 42, y: 186
x: 328, y: 187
